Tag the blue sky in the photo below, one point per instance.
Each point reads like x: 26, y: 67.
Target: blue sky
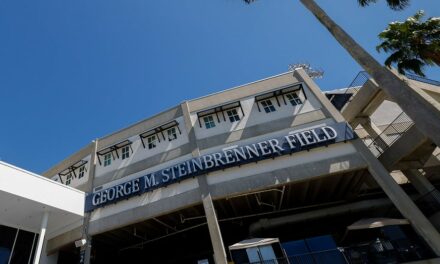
x: 72, y: 71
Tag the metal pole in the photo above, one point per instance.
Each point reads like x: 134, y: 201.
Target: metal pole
x: 32, y: 249
x: 13, y: 246
x: 41, y: 237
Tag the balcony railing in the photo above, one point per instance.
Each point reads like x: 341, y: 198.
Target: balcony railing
x: 390, y: 134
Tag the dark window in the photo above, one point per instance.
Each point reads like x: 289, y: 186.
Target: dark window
x: 23, y: 247
x: 209, y: 122
x: 82, y: 171
x: 107, y: 159
x: 151, y: 140
x: 69, y: 179
x: 268, y: 106
x: 172, y: 133
x: 7, y: 237
x: 233, y: 115
x: 293, y: 98
x: 126, y: 152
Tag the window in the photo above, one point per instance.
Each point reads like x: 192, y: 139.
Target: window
x: 172, y: 134
x: 151, y: 140
x: 233, y: 115
x: 107, y: 159
x: 69, y: 179
x: 293, y: 99
x: 209, y: 122
x: 82, y: 171
x: 268, y: 106
x: 126, y: 152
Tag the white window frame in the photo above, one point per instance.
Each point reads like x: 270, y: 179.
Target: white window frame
x: 172, y: 134
x: 107, y: 159
x: 152, y: 141
x: 209, y: 121
x: 268, y: 106
x: 125, y: 152
x: 81, y: 172
x: 69, y: 179
x: 233, y: 115
x: 293, y: 98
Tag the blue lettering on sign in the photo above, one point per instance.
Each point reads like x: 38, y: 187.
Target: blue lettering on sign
x: 295, y: 141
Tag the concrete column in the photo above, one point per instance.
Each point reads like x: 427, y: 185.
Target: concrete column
x: 208, y: 206
x: 87, y: 248
x: 214, y: 231
x: 421, y: 183
x: 400, y: 199
x: 39, y: 248
x: 375, y: 133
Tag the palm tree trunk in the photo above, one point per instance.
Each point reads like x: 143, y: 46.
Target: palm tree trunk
x: 425, y: 114
x: 423, y: 110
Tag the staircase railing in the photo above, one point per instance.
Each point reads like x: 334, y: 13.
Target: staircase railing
x: 362, y: 77
x: 355, y: 85
x: 390, y: 134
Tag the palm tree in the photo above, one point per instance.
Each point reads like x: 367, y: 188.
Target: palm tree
x: 393, y: 4
x: 424, y: 112
x: 414, y: 43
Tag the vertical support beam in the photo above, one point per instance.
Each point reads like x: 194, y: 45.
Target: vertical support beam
x: 39, y: 248
x: 374, y: 133
x: 87, y: 248
x: 328, y: 108
x: 214, y: 231
x: 399, y: 198
x: 420, y: 107
x: 420, y: 183
x: 13, y: 246
x: 208, y: 206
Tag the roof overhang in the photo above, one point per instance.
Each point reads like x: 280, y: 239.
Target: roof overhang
x: 26, y: 196
x: 253, y: 242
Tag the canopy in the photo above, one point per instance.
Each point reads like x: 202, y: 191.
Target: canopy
x: 254, y: 242
x: 367, y: 223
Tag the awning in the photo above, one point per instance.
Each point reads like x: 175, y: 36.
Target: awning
x: 367, y: 223
x: 26, y: 196
x: 254, y: 242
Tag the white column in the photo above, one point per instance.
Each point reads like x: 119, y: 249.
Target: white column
x: 214, y: 231
x: 41, y: 237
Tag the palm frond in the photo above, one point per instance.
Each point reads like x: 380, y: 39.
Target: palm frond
x: 393, y: 4
x: 413, y: 65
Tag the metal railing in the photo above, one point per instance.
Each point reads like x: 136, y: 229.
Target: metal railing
x: 422, y: 79
x: 390, y: 134
x: 362, y: 77
x: 357, y: 83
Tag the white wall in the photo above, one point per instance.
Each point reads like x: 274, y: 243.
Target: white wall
x: 254, y: 117
x: 75, y: 181
x: 140, y: 153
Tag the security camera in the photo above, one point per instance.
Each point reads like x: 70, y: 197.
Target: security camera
x: 80, y: 243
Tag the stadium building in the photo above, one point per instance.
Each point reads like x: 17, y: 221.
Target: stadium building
x: 274, y: 171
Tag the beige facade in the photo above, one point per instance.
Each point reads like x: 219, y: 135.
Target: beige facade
x: 320, y: 177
